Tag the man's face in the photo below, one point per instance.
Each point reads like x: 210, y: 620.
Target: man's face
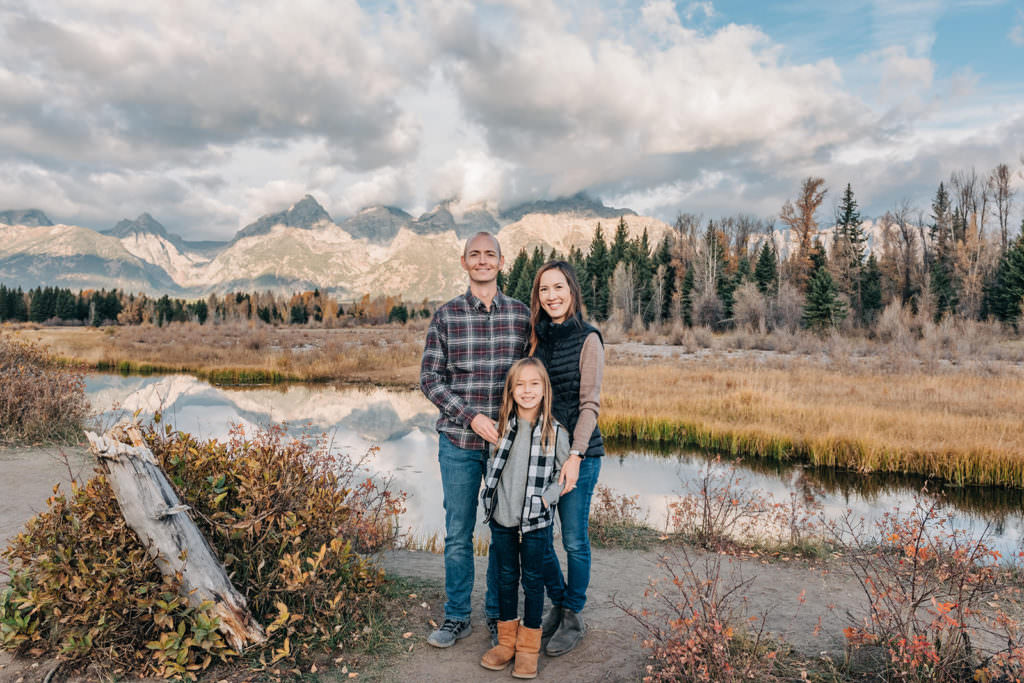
x: 481, y: 260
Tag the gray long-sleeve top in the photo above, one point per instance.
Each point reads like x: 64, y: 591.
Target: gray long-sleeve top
x: 511, y: 493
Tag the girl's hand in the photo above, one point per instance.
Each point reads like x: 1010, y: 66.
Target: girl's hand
x: 570, y: 473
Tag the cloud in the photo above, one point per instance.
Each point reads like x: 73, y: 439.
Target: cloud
x: 173, y: 79
x: 585, y: 113
x: 1016, y: 34
x: 207, y: 114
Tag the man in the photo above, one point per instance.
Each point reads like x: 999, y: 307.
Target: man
x: 471, y: 343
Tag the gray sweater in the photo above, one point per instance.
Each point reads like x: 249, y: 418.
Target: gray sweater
x: 511, y: 493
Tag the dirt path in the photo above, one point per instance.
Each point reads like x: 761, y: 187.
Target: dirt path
x: 611, y: 650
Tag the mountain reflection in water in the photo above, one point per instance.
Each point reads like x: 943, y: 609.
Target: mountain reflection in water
x: 401, y: 424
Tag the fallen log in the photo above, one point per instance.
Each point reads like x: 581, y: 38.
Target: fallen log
x: 153, y: 510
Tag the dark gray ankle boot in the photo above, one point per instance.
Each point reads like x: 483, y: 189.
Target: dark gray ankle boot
x: 568, y: 635
x: 548, y: 626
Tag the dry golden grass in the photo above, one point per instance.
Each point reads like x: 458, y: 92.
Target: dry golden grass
x: 960, y: 426
x: 870, y: 410
x: 244, y: 353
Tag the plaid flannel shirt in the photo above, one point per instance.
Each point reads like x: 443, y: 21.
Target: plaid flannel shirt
x: 540, y: 476
x: 467, y: 354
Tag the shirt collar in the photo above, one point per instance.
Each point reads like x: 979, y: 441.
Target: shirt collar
x: 479, y: 305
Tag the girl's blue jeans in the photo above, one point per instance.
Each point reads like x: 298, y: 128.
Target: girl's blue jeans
x: 574, y: 513
x: 524, y: 554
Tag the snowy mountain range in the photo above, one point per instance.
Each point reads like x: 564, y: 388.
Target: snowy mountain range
x: 380, y: 250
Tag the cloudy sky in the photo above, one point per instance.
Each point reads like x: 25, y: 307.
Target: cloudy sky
x: 207, y: 113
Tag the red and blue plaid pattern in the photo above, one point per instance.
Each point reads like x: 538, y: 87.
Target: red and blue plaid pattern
x: 467, y: 354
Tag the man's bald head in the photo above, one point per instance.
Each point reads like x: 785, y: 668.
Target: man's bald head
x: 482, y: 234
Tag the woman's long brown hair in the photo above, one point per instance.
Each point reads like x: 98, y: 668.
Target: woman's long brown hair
x: 536, y: 310
x: 508, y: 403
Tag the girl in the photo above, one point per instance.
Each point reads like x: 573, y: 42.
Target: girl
x: 573, y: 354
x: 519, y: 491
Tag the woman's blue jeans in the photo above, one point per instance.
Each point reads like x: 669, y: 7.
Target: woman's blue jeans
x: 574, y: 513
x: 524, y: 554
x: 462, y: 471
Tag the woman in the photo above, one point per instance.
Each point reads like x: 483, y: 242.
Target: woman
x: 573, y: 353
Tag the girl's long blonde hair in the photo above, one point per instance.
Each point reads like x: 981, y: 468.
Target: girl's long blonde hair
x: 508, y: 403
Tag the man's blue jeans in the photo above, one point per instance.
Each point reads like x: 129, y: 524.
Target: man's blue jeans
x: 462, y: 471
x: 574, y: 513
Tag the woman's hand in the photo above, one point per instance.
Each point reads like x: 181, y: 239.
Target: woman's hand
x: 570, y: 473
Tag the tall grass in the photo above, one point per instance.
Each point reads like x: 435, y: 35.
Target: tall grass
x: 38, y: 401
x: 244, y: 353
x: 963, y: 428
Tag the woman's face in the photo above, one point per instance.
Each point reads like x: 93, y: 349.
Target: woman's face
x: 555, y: 297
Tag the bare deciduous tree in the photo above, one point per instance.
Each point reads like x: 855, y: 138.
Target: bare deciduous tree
x: 1002, y: 195
x: 801, y: 218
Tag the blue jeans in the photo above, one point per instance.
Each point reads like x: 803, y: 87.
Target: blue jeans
x: 574, y: 513
x: 527, y: 552
x: 462, y: 471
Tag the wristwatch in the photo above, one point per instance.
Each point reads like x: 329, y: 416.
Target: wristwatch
x: 579, y: 455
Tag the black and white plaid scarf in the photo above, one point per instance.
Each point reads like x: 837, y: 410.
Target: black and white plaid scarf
x: 541, y: 473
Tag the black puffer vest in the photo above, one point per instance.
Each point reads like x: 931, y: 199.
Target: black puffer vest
x: 559, y: 347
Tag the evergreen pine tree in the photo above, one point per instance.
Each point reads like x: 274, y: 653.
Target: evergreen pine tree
x: 686, y: 297
x: 643, y: 276
x: 766, y: 272
x: 943, y: 287
x: 942, y: 276
x: 823, y: 308
x: 870, y: 291
x: 620, y: 243
x: 1006, y: 294
x: 66, y: 306
x: 663, y: 257
x: 4, y: 306
x: 596, y: 290
x: 516, y: 272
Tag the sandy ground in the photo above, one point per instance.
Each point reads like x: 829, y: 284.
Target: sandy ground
x: 612, y: 650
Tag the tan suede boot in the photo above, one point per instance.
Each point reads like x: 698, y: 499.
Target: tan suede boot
x: 498, y: 657
x: 527, y: 651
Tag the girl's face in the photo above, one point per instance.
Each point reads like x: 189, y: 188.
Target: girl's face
x: 528, y: 391
x: 555, y: 297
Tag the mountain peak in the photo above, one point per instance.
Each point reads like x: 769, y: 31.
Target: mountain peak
x: 144, y: 224
x: 305, y: 213
x: 580, y: 203
x: 33, y: 218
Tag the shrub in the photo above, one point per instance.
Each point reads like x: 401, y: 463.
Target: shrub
x: 38, y: 400
x: 695, y: 628
x: 925, y: 584
x: 288, y: 521
x: 615, y: 521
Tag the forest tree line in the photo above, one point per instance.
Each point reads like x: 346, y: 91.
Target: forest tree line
x: 956, y: 258
x: 56, y: 305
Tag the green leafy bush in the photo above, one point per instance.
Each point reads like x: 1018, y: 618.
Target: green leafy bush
x: 38, y: 400
x: 291, y: 523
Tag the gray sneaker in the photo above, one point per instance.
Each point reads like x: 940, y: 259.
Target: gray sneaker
x: 450, y: 631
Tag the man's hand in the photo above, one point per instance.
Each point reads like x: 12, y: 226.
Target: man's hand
x: 570, y: 473
x: 485, y: 428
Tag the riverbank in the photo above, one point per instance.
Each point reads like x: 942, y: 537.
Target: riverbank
x: 853, y: 404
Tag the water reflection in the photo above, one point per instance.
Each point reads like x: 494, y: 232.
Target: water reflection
x: 401, y: 425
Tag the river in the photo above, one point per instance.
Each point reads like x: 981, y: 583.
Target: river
x: 401, y: 425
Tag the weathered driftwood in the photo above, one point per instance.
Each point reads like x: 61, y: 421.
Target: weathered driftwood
x: 153, y: 510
